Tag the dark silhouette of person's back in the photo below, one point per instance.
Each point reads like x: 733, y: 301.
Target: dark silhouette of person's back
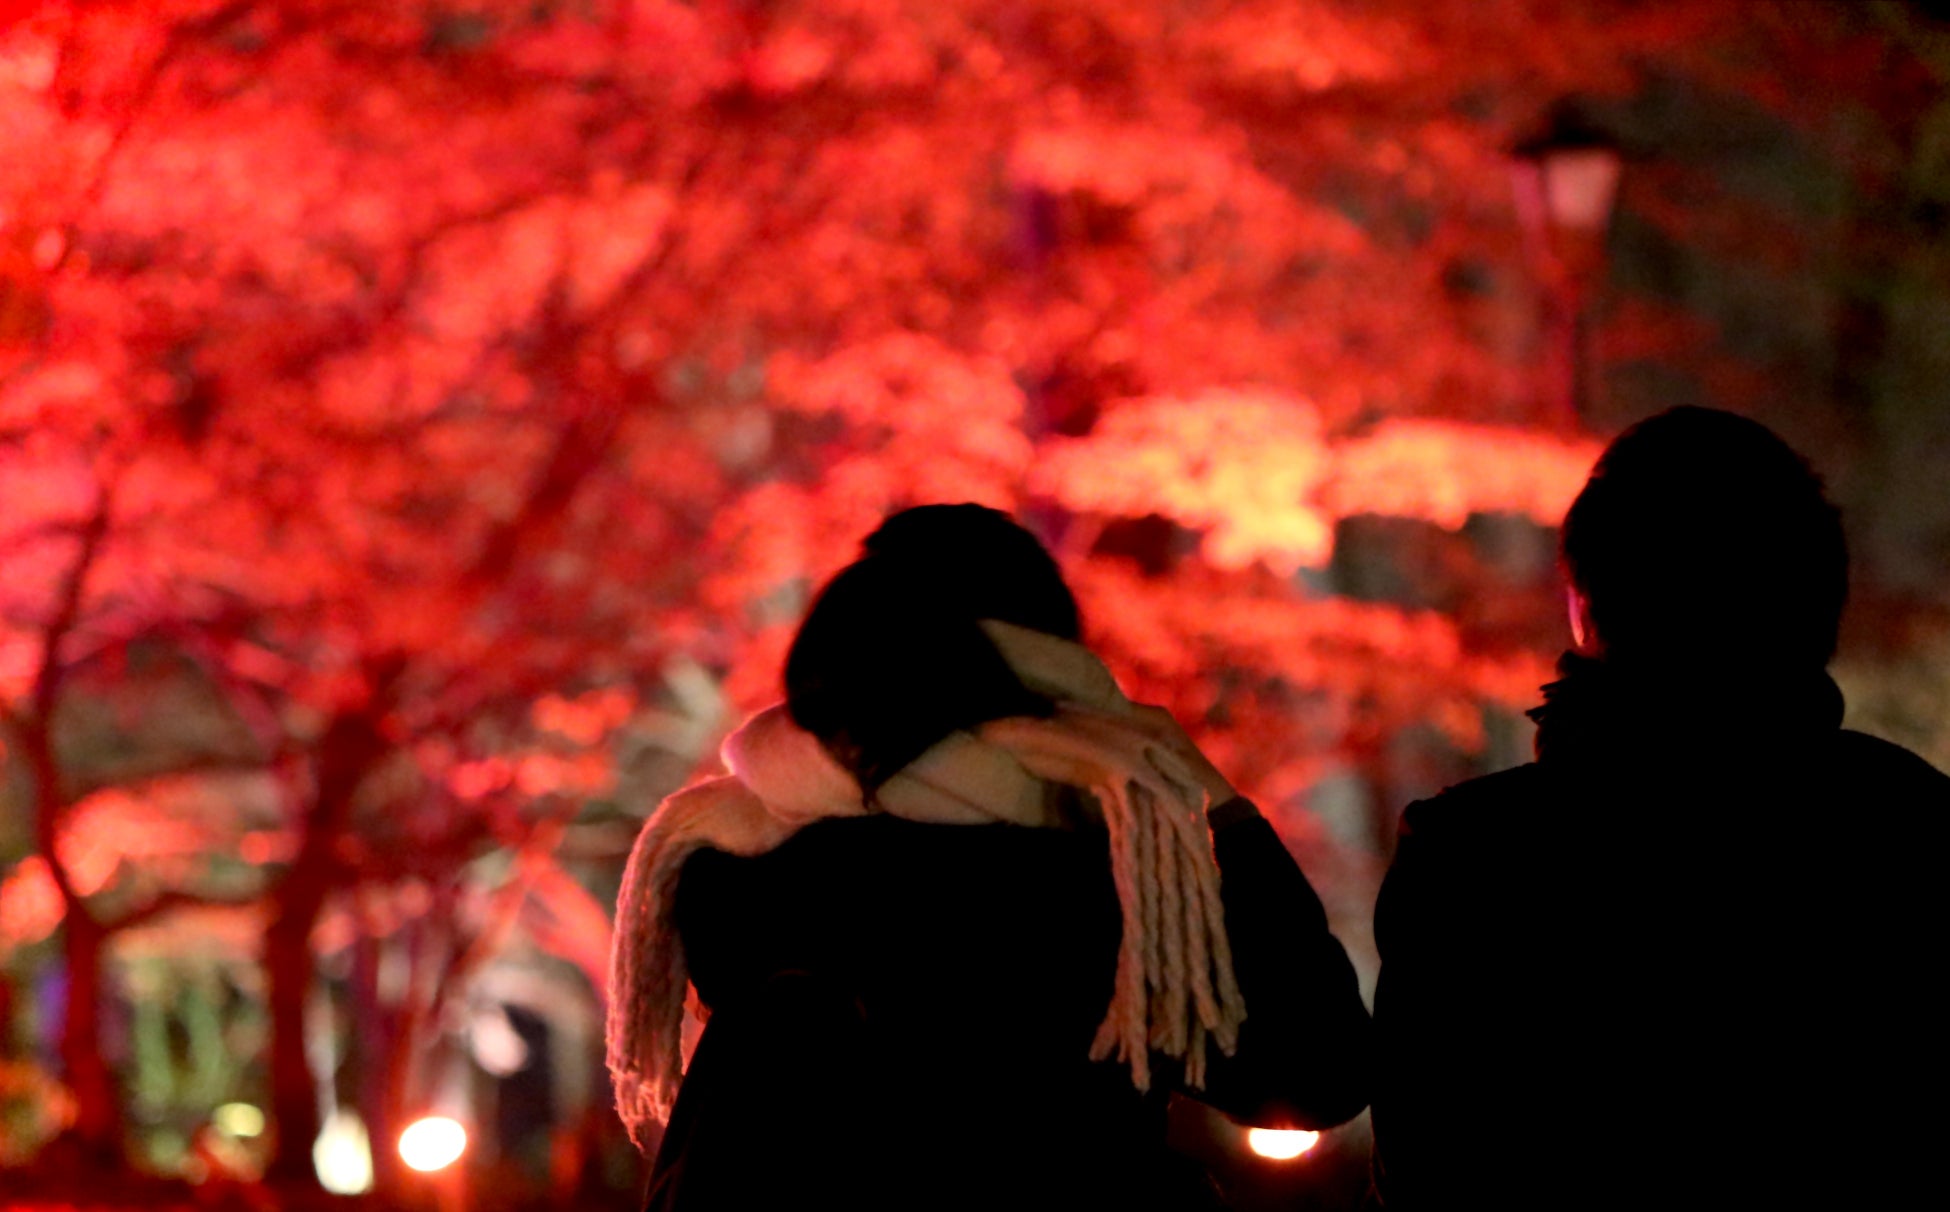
x: 1688, y: 957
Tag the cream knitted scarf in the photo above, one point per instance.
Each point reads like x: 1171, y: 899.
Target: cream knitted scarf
x: 1174, y: 986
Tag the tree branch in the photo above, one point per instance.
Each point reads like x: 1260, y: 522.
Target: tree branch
x: 168, y: 902
x: 505, y: 907
x: 36, y: 725
x: 67, y: 609
x: 141, y: 779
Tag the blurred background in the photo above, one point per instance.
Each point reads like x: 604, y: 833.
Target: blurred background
x: 422, y: 425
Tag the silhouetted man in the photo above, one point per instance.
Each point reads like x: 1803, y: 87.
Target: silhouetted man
x: 1690, y: 956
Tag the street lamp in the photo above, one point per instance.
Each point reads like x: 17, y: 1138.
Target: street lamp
x: 1564, y: 181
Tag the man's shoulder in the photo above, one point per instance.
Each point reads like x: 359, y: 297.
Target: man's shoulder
x: 1478, y: 803
x: 1468, y: 845
x: 1862, y: 749
x: 1888, y: 767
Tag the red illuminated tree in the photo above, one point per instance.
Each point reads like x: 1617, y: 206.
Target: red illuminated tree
x: 398, y: 368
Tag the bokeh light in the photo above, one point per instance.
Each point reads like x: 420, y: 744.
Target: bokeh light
x: 238, y: 1119
x: 433, y: 1143
x: 1277, y: 1145
x: 342, y: 1155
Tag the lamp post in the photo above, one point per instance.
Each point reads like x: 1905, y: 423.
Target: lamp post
x: 1564, y: 182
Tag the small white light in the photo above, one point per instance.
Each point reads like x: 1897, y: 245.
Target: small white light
x: 497, y: 1046
x: 433, y: 1143
x: 342, y: 1155
x: 1280, y: 1146
x: 238, y: 1119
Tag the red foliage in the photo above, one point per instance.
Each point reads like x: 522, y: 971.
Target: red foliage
x: 446, y: 385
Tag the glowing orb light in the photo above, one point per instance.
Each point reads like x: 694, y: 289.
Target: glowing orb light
x: 1280, y: 1146
x: 238, y: 1119
x: 433, y: 1143
x: 342, y: 1155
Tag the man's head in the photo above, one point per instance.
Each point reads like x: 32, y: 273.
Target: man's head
x: 1702, y: 536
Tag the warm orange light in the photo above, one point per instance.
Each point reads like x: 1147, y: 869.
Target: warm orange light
x: 1280, y: 1146
x: 433, y: 1143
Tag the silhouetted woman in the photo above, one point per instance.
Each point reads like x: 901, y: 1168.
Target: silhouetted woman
x: 957, y: 922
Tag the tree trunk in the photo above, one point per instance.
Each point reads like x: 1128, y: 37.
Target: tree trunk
x: 97, y: 1127
x: 94, y: 1139
x: 349, y: 747
x: 294, y: 1091
x: 6, y: 1016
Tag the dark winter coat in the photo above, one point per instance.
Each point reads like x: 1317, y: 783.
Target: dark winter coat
x: 901, y: 1017
x: 1690, y: 958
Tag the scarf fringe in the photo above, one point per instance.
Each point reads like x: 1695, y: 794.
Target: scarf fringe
x: 1175, y: 987
x: 648, y: 980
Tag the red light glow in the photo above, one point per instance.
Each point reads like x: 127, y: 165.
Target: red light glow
x: 1276, y: 1145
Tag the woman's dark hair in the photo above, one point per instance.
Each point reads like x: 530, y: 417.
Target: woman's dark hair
x: 891, y: 658
x: 1701, y: 533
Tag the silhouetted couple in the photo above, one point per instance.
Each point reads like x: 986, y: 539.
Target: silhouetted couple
x: 962, y: 918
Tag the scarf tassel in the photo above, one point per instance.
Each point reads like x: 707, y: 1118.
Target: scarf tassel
x: 1175, y: 986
